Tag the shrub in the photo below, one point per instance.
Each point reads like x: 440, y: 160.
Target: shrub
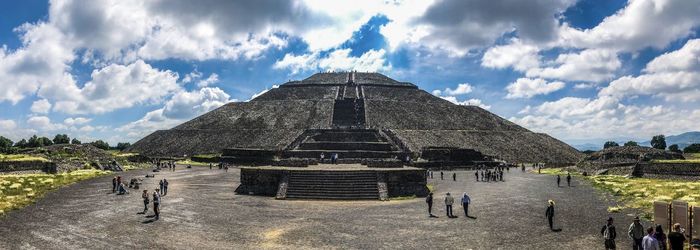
x: 692, y: 148
x: 610, y: 144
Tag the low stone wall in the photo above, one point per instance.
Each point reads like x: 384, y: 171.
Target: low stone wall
x: 260, y: 181
x: 681, y: 170
x: 206, y: 159
x: 407, y: 183
x: 11, y: 166
x: 265, y: 182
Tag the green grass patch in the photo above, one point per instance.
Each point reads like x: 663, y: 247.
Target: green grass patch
x: 21, y: 157
x: 640, y: 193
x: 193, y: 163
x: 402, y: 198
x: 207, y: 156
x: 17, y: 191
x: 430, y: 187
x: 695, y: 160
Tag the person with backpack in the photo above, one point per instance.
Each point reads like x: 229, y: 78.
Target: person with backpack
x: 636, y: 233
x: 156, y: 203
x: 429, y: 201
x: 609, y: 234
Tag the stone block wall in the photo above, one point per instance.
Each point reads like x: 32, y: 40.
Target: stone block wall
x: 10, y: 166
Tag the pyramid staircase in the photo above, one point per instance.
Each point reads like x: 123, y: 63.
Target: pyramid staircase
x: 334, y: 185
x: 351, y: 145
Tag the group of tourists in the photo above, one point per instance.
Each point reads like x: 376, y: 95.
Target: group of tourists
x: 156, y: 202
x: 333, y: 158
x: 449, y: 201
x: 118, y: 186
x: 568, y: 180
x: 651, y: 238
x: 163, y: 187
x: 489, y: 175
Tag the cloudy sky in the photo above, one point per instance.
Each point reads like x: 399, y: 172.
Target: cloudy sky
x: 581, y: 71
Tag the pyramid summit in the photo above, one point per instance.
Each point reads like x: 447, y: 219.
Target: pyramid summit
x: 359, y: 116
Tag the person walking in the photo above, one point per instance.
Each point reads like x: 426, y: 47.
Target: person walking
x: 676, y: 239
x: 558, y: 180
x: 156, y: 203
x: 145, y: 200
x: 454, y: 176
x: 636, y: 233
x: 609, y: 234
x: 210, y: 165
x: 161, y: 184
x: 448, y: 205
x: 465, y: 204
x: 649, y: 242
x: 442, y: 175
x: 429, y: 201
x: 550, y: 214
x: 165, y: 187
x: 660, y: 236
x: 114, y: 184
x: 476, y: 174
x: 568, y: 179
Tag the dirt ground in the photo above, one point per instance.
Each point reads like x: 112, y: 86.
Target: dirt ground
x: 201, y: 211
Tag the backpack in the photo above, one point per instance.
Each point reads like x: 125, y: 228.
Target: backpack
x: 606, y: 233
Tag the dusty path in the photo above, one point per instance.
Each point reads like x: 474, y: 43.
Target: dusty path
x: 202, y: 212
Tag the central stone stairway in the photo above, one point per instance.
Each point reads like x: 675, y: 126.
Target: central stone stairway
x: 335, y: 185
x: 351, y: 145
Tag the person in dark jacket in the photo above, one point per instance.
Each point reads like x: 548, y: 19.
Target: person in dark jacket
x: 429, y: 200
x: 550, y: 214
x: 676, y: 239
x: 660, y: 236
x: 609, y: 234
x: 476, y: 174
x: 558, y: 180
x: 114, y: 184
x: 568, y: 179
x: 454, y: 176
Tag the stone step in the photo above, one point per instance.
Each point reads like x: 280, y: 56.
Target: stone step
x: 333, y: 191
x: 322, y: 197
x: 373, y: 146
x: 342, y: 154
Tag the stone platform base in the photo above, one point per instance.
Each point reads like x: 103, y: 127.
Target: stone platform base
x: 275, y: 181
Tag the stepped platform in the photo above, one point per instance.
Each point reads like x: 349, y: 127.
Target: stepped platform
x: 333, y: 182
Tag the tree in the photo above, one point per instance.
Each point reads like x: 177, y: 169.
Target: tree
x: 75, y: 141
x: 101, y: 144
x: 123, y: 145
x: 631, y: 143
x: 692, y: 148
x: 658, y: 142
x: 45, y: 141
x: 674, y: 148
x: 5, y: 144
x: 21, y: 143
x: 61, y: 139
x: 34, y: 142
x: 610, y: 144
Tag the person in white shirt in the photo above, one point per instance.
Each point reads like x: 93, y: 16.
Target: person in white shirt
x: 649, y: 242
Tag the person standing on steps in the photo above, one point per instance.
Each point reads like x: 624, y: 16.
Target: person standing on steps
x: 568, y: 179
x: 609, y: 234
x: 636, y: 233
x: 448, y: 205
x: 550, y: 214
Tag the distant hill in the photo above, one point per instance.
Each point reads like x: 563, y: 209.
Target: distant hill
x: 683, y: 140
x: 588, y: 146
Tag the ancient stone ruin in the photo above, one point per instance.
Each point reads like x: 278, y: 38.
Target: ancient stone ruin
x: 365, y: 118
x: 359, y: 116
